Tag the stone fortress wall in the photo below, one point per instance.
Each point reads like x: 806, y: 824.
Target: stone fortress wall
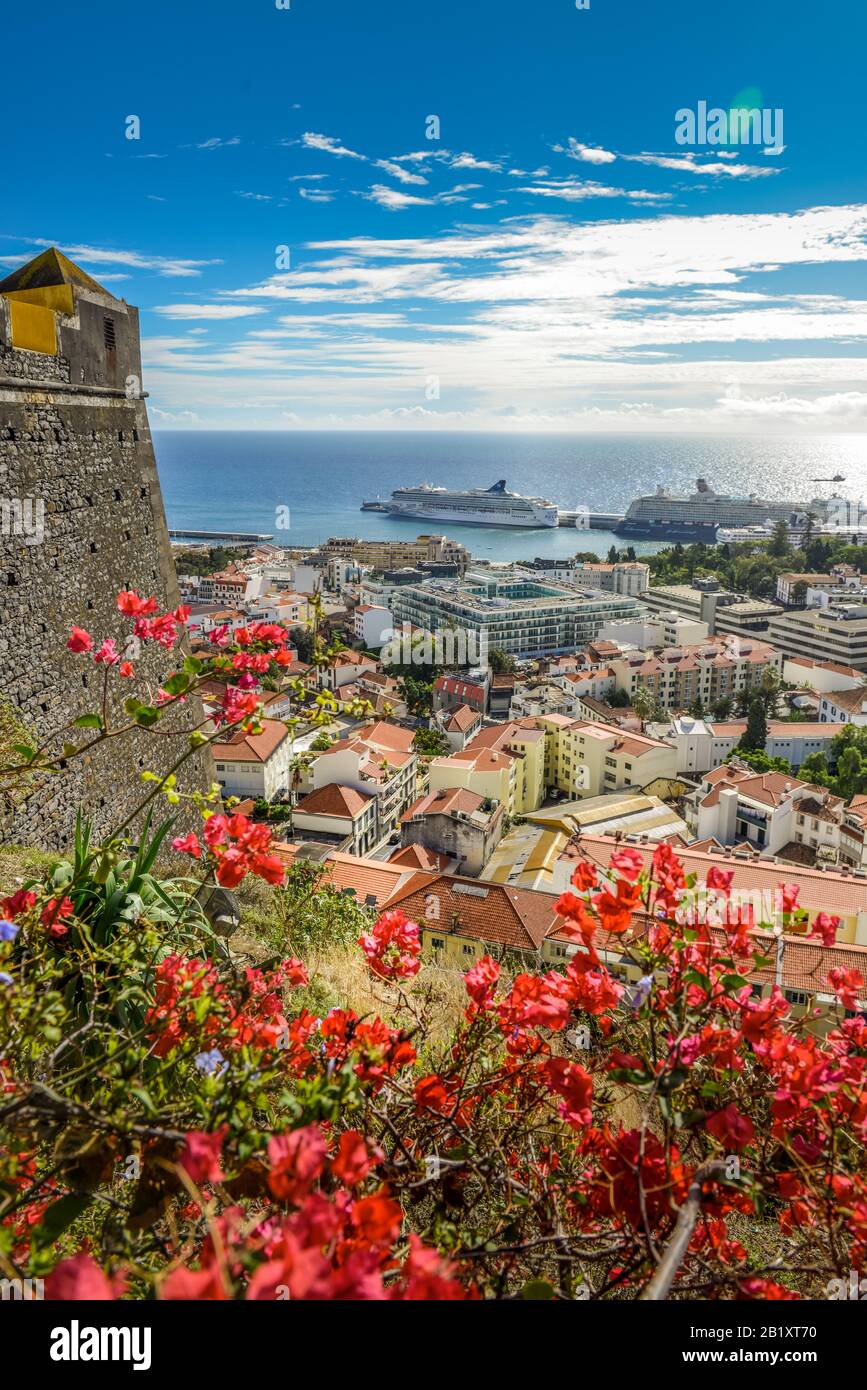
x: 82, y: 517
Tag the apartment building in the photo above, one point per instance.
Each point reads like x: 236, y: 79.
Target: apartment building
x: 339, y: 815
x: 835, y: 633
x: 455, y: 823
x: 715, y: 669
x: 703, y: 744
x: 845, y: 706
x: 668, y: 628
x: 770, y: 811
x: 254, y: 765
x: 394, y: 554
x: 378, y: 759
x: 706, y: 601
x: 372, y: 625
x: 471, y: 689
x: 793, y: 587
x: 520, y: 762
x: 342, y: 668
x: 628, y: 577
x: 510, y: 609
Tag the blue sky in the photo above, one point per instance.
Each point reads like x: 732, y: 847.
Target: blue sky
x: 554, y: 261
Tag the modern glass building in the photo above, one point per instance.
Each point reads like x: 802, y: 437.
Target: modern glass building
x: 512, y: 610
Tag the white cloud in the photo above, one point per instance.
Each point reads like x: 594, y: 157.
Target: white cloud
x: 398, y: 172
x: 96, y: 256
x: 690, y: 164
x: 576, y: 190
x: 206, y: 311
x: 316, y: 195
x: 392, y: 198
x: 590, y: 154
x: 255, y: 197
x: 469, y: 161
x: 215, y: 143
x: 330, y: 144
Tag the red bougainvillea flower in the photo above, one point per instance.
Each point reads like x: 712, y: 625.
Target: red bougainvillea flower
x: 296, y: 1160
x: 354, y: 1158
x: 846, y: 984
x: 825, y: 928
x: 393, y: 946
x: 787, y: 896
x: 107, y: 654
x: 731, y: 1128
x: 720, y: 879
x: 627, y: 862
x: 615, y: 909
x: 378, y: 1218
x: 80, y: 1279
x: 128, y: 602
x: 765, y: 1289
x: 80, y: 641
x: 187, y: 844
x: 201, y: 1155
x: 575, y: 1085
x: 584, y: 877
x: 126, y: 669
x: 481, y: 981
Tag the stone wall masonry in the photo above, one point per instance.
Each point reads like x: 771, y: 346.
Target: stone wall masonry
x: 88, y: 457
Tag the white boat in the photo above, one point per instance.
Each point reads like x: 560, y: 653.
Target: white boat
x: 492, y: 506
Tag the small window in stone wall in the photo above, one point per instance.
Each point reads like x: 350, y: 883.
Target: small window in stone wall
x: 108, y: 333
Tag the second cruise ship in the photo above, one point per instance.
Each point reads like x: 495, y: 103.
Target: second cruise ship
x: 492, y: 506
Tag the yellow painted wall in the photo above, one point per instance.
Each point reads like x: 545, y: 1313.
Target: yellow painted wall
x: 34, y: 328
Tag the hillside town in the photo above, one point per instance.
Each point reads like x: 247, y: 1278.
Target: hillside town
x: 489, y: 723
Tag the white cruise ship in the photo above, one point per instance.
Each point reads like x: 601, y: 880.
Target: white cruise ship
x: 493, y: 506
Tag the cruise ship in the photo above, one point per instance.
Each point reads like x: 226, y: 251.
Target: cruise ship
x: 492, y: 506
x: 665, y: 517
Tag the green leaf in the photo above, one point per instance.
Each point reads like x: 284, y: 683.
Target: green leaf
x: 537, y: 1291
x: 177, y: 684
x: 146, y: 716
x: 88, y: 721
x: 197, y: 738
x: 193, y: 666
x: 24, y: 751
x: 58, y: 1217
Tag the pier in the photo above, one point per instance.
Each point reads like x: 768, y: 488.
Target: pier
x: 590, y: 521
x: 240, y: 537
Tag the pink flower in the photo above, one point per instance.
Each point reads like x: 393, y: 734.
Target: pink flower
x: 825, y: 928
x: 201, y: 1155
x: 80, y: 1279
x: 627, y: 862
x: 107, y: 655
x: 187, y: 844
x: 720, y: 879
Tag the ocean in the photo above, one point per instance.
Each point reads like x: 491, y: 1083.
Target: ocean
x: 316, y: 481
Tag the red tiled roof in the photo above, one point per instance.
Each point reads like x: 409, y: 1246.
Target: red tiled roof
x: 335, y: 800
x: 251, y: 748
x: 516, y: 918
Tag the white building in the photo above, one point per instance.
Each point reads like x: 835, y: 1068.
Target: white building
x: 702, y: 745
x: 372, y: 625
x: 254, y: 764
x: 845, y: 706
